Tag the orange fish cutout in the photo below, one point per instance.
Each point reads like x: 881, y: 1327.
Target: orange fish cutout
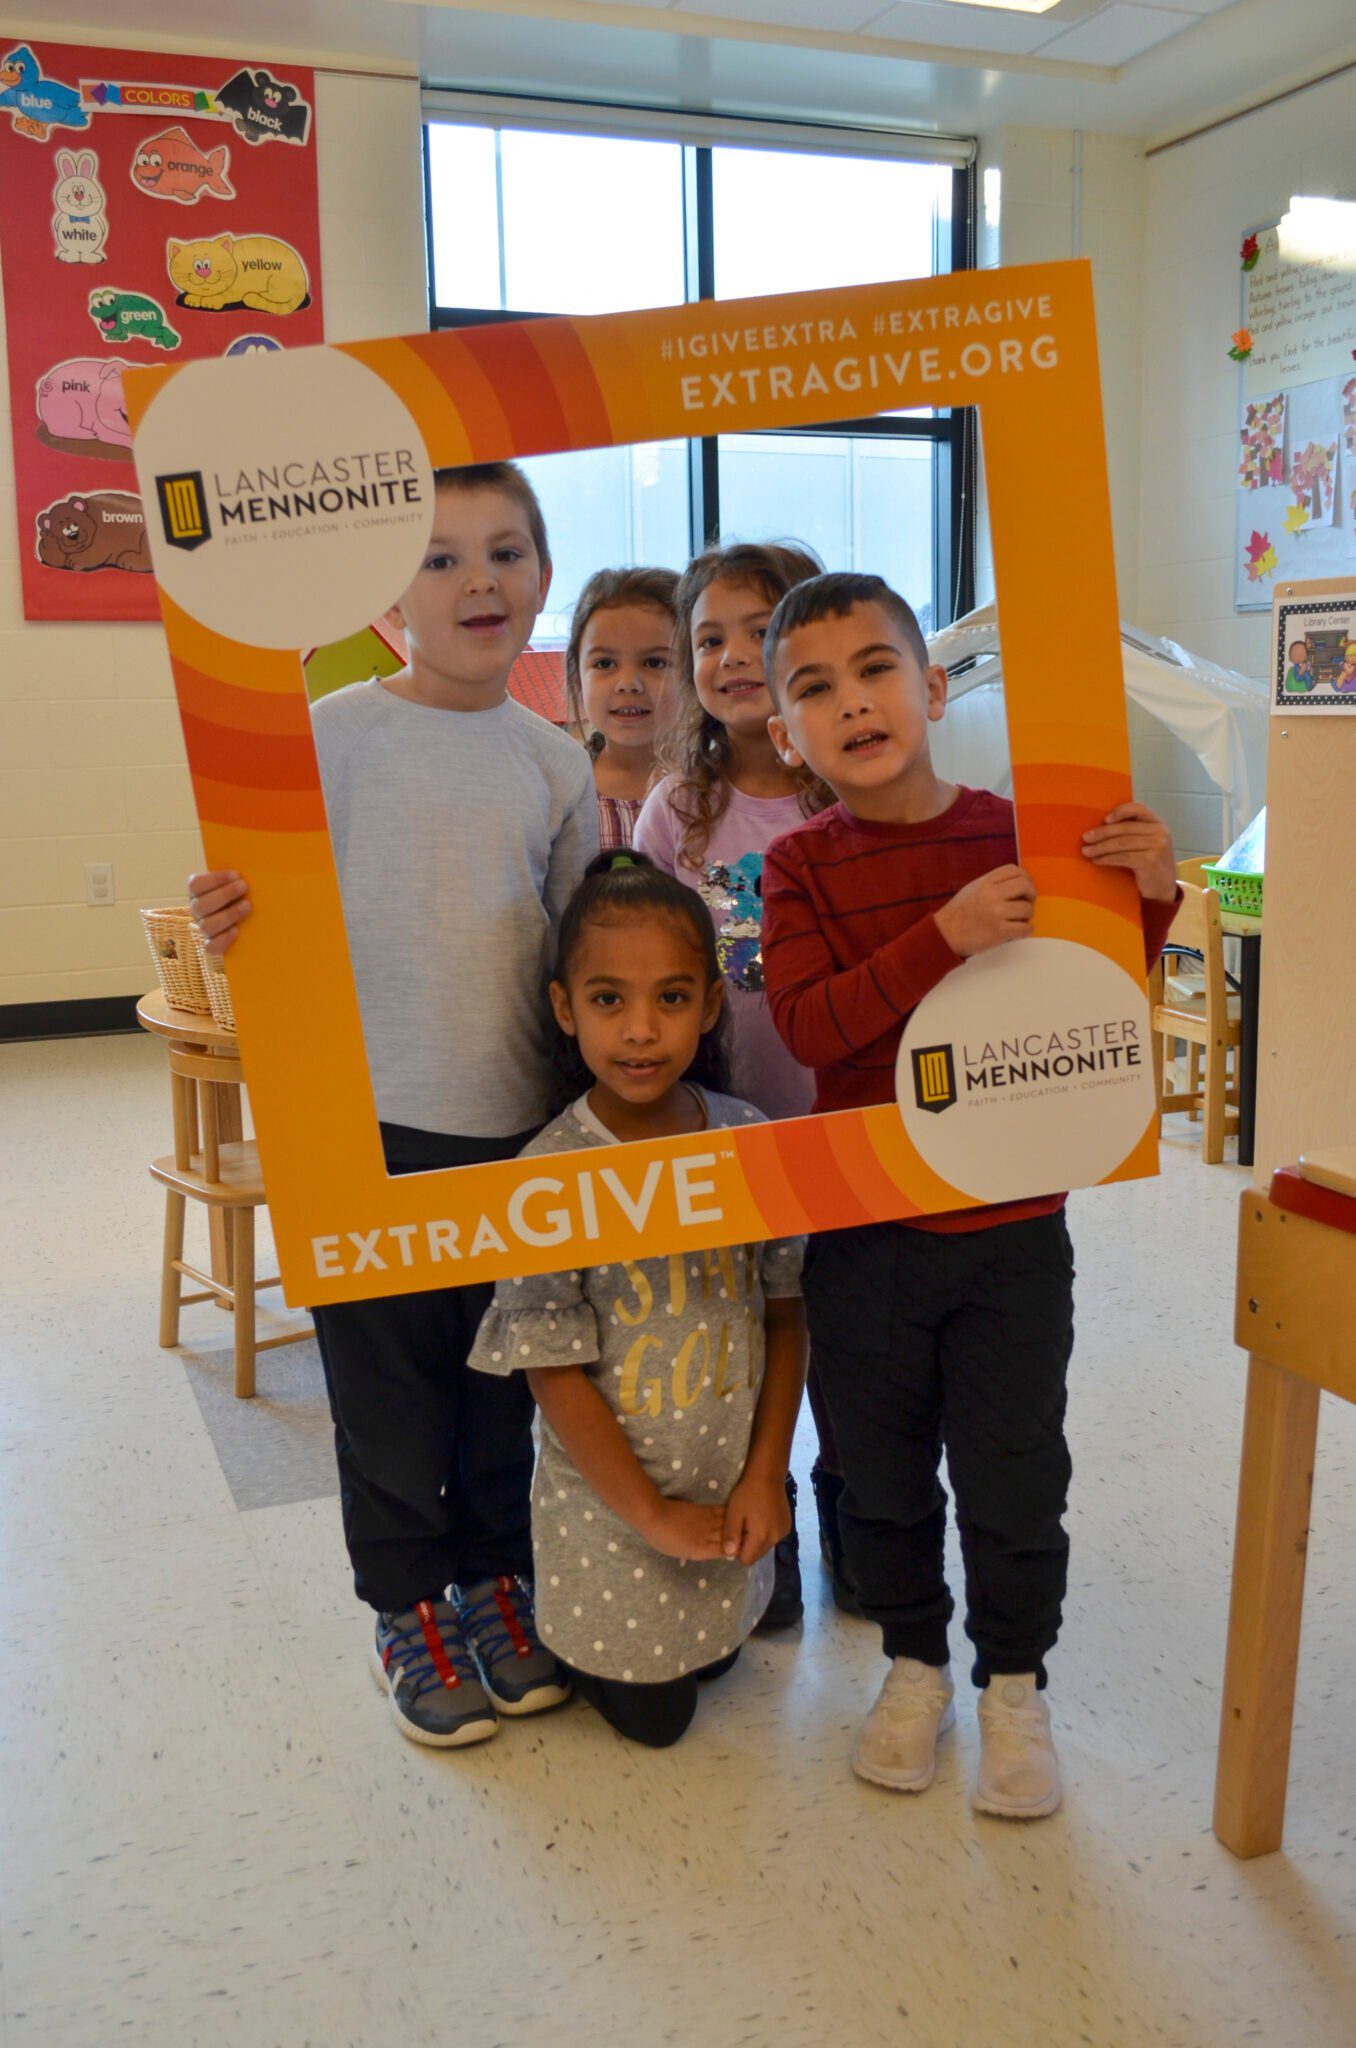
x: 171, y: 166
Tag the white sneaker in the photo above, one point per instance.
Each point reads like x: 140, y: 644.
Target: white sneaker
x: 898, y: 1743
x: 1018, y: 1769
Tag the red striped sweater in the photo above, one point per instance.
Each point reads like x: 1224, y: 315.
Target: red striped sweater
x: 851, y: 946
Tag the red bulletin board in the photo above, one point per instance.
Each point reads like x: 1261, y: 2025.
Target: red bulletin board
x: 109, y: 158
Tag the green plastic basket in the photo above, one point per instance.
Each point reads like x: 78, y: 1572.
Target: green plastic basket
x: 1241, y: 894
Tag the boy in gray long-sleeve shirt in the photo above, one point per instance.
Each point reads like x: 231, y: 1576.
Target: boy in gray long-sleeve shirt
x: 461, y: 825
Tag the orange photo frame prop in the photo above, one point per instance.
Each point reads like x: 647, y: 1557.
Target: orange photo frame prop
x: 1021, y: 346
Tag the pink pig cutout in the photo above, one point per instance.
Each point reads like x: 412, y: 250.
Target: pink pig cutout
x: 82, y: 400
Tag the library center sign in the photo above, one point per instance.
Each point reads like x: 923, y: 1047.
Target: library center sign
x: 293, y: 498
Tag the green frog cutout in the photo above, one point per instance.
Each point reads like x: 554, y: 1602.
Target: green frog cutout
x: 129, y: 316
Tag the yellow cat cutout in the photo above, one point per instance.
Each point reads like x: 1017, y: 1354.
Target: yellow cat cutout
x: 223, y: 271
x: 289, y: 499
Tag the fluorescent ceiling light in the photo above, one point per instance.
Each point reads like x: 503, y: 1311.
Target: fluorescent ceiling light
x: 1009, y: 6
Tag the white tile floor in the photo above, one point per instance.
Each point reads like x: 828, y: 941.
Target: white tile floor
x: 210, y: 1832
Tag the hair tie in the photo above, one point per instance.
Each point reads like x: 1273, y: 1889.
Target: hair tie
x: 620, y: 860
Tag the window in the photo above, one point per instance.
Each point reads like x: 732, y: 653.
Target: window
x: 523, y: 221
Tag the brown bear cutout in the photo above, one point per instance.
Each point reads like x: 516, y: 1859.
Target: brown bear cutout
x: 94, y: 530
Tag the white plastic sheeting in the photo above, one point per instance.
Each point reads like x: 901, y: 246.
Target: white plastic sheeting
x: 1220, y: 715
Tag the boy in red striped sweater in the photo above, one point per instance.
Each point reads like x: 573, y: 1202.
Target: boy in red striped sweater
x: 950, y: 1330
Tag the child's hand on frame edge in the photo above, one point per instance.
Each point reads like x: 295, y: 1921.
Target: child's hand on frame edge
x: 992, y: 910
x: 219, y: 901
x: 1132, y: 836
x: 757, y: 1515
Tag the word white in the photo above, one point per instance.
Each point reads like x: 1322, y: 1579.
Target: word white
x: 357, y: 1251
x: 714, y: 388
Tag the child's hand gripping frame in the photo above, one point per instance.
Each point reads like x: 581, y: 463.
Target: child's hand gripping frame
x: 262, y: 548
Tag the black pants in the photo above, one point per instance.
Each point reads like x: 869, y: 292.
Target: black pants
x: 828, y: 1459
x: 653, y: 1714
x: 435, y: 1461
x: 962, y: 1340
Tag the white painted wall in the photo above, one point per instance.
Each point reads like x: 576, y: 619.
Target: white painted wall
x: 91, y: 755
x: 1202, y: 198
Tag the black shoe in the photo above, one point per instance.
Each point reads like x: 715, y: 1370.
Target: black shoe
x: 786, y: 1606
x: 828, y: 1488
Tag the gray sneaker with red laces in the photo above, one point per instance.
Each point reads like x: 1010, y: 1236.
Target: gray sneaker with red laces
x: 519, y: 1674
x: 421, y: 1660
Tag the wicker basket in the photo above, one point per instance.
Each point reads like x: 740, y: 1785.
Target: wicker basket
x: 170, y: 934
x: 214, y: 980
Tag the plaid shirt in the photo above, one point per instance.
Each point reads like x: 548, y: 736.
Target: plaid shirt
x: 617, y: 821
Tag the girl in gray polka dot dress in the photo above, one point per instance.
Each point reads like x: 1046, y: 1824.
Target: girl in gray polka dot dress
x: 668, y: 1385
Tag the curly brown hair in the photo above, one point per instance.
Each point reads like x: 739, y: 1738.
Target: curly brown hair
x: 696, y: 750
x: 608, y: 590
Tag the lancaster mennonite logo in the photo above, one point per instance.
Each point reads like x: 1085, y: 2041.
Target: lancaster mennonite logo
x: 183, y: 509
x: 934, y: 1077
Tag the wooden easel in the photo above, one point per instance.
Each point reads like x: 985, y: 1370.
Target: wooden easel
x: 1296, y: 1308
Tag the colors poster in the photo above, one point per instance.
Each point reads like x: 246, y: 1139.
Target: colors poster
x: 156, y: 209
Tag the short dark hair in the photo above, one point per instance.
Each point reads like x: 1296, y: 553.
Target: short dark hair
x: 832, y: 597
x: 505, y: 477
x: 625, y: 883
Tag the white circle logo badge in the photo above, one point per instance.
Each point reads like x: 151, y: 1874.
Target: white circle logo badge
x: 289, y: 495
x: 1027, y: 1071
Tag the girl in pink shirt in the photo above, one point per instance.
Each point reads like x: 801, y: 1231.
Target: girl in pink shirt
x: 725, y: 797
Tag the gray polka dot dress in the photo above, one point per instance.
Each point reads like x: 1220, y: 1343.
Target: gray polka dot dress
x: 675, y: 1347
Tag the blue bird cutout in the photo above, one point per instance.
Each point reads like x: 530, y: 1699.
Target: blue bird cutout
x: 37, y: 103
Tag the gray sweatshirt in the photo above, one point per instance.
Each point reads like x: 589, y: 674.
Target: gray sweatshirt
x: 459, y: 837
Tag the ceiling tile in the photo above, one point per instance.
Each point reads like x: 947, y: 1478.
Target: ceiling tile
x: 1117, y: 34
x: 841, y: 17
x: 961, y: 28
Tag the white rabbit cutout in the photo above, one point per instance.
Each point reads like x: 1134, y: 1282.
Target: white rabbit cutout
x: 79, y: 227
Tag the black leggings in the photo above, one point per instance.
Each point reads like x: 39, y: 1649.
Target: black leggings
x: 653, y: 1714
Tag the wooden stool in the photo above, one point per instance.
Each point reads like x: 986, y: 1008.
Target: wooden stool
x: 1296, y: 1314
x: 223, y: 1174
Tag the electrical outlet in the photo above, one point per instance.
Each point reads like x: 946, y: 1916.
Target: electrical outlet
x: 99, y: 888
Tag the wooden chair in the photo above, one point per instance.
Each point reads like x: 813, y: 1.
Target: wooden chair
x: 223, y: 1174
x: 1184, y: 978
x: 1208, y: 1019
